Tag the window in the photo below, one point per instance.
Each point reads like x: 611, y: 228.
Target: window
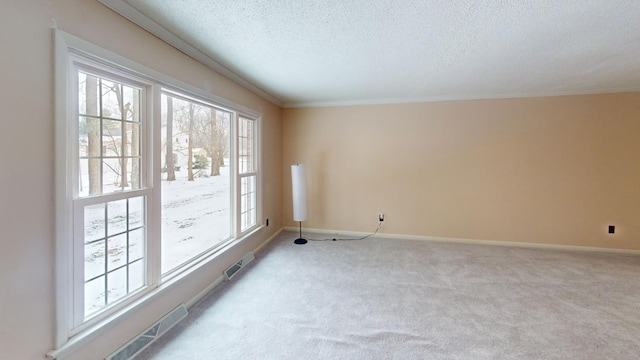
x: 247, y: 172
x: 196, y: 179
x: 152, y: 178
x: 109, y: 192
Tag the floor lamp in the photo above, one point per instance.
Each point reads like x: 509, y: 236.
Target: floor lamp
x: 299, y: 196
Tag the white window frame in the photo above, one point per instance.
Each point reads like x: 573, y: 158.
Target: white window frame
x: 255, y: 173
x: 76, y: 203
x: 69, y: 49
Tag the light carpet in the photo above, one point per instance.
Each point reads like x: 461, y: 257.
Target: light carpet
x: 385, y: 298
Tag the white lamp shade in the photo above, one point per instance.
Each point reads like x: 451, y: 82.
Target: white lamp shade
x: 299, y: 192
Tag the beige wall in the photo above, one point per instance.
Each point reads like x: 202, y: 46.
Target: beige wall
x: 549, y: 170
x: 27, y: 148
x: 541, y: 170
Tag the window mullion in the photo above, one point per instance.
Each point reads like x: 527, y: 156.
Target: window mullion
x: 153, y: 179
x: 101, y: 120
x: 235, y: 169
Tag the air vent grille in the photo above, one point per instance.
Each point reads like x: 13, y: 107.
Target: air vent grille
x: 232, y: 270
x: 133, y: 347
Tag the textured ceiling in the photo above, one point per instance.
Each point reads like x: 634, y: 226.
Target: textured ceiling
x: 321, y: 52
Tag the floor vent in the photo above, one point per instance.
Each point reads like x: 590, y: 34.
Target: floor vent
x: 133, y: 347
x: 233, y: 269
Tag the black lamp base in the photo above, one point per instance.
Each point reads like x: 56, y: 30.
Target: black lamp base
x: 300, y: 240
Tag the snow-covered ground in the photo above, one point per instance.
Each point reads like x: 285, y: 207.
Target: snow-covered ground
x: 195, y: 217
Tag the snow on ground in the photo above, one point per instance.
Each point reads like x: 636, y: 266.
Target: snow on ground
x: 196, y: 216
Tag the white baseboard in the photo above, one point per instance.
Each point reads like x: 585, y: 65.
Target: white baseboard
x: 266, y: 242
x: 219, y: 280
x: 358, y: 234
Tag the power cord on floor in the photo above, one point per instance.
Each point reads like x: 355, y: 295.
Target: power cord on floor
x: 347, y: 239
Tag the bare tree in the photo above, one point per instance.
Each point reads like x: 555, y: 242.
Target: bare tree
x: 121, y: 146
x: 94, y: 147
x: 190, y: 128
x: 169, y: 161
x: 135, y: 141
x: 124, y: 139
x: 212, y: 149
x: 215, y: 140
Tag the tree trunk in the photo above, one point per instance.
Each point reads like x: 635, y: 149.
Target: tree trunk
x: 215, y: 162
x: 124, y: 142
x: 190, y: 144
x: 171, y: 172
x: 94, y: 146
x: 135, y: 142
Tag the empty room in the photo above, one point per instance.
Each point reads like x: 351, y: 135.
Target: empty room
x: 320, y: 179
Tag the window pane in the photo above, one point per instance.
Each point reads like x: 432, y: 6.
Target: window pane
x: 246, y: 159
x: 116, y: 285
x: 136, y: 212
x: 136, y: 244
x: 196, y: 201
x: 131, y: 102
x: 247, y: 202
x: 111, y: 99
x: 136, y: 276
x: 87, y: 126
x: 110, y: 138
x: 117, y: 215
x: 88, y: 98
x: 94, y: 296
x: 119, y: 257
x: 94, y: 260
x: 132, y: 179
x: 116, y: 251
x: 125, y: 144
x: 110, y: 176
x: 94, y: 222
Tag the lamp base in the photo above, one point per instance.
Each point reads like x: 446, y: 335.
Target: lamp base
x: 300, y: 241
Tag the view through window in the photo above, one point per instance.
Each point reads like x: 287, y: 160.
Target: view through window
x: 196, y: 197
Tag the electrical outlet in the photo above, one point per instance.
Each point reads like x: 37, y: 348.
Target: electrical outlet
x: 381, y: 217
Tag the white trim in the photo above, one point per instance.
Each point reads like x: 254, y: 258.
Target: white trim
x: 266, y: 242
x: 140, y: 19
x: 425, y: 99
x: 154, y: 215
x: 220, y: 279
x: 63, y: 222
x: 256, y: 166
x: 233, y: 172
x: 468, y: 241
x: 258, y: 171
